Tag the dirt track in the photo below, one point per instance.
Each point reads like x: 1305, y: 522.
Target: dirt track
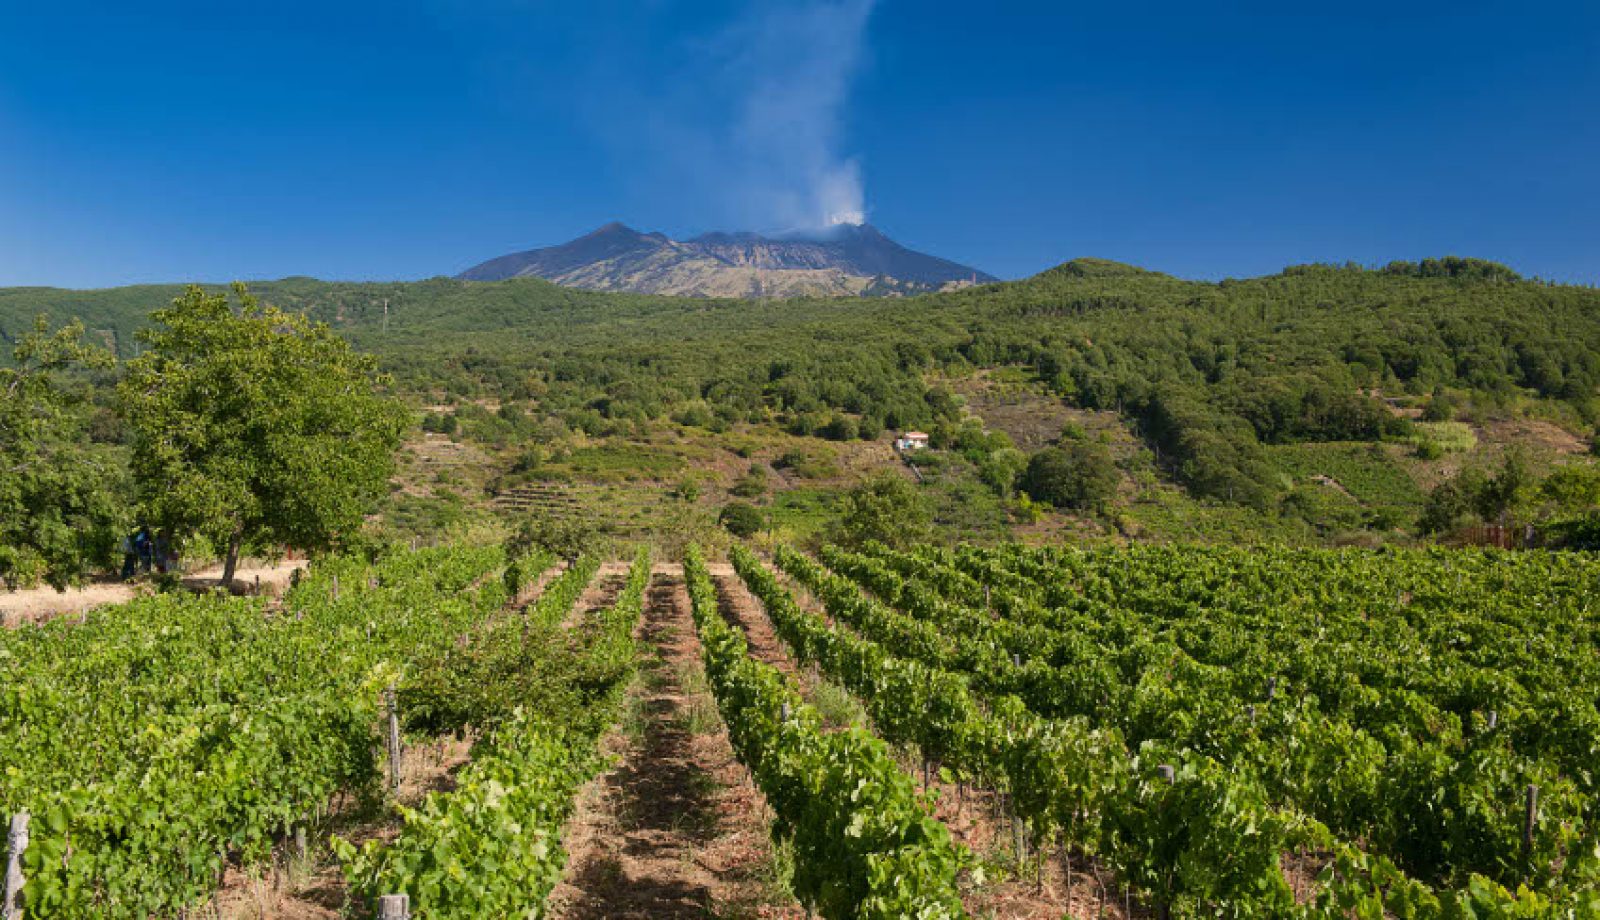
x: 675, y: 829
x: 37, y: 604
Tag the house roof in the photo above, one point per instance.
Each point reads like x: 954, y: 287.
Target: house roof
x: 916, y: 434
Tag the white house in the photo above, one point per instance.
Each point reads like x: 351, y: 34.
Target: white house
x: 911, y: 440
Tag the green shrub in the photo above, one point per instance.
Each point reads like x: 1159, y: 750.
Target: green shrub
x: 741, y: 519
x: 1078, y: 474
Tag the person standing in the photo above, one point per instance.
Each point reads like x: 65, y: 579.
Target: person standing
x: 130, y: 557
x: 142, y: 545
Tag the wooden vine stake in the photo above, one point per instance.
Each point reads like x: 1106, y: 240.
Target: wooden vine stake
x: 1163, y: 908
x: 394, y: 907
x: 394, y: 740
x: 16, y: 843
x: 1019, y: 842
x: 1530, y: 819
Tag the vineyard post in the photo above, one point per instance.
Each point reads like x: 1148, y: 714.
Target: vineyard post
x: 16, y: 843
x: 1018, y: 842
x: 1164, y: 906
x: 394, y: 739
x: 394, y: 907
x: 1529, y: 819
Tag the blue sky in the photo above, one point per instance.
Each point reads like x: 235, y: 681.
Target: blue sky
x: 209, y: 141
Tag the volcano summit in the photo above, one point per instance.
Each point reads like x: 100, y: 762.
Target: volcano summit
x: 843, y: 261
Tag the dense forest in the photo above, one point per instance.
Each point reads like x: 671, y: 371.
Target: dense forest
x: 1209, y: 377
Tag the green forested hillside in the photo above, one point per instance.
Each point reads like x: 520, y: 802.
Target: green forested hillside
x: 1208, y: 376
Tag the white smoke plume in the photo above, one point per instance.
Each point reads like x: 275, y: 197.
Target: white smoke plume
x: 745, y: 118
x: 792, y: 65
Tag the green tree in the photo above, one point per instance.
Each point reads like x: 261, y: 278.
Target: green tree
x: 1510, y: 491
x: 1454, y: 502
x: 1078, y: 474
x: 1440, y: 408
x: 1001, y: 468
x: 1573, y: 488
x: 254, y: 426
x: 888, y: 509
x: 566, y: 536
x: 60, y: 511
x: 742, y: 519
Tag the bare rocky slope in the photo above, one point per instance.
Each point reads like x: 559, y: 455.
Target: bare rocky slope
x: 846, y: 260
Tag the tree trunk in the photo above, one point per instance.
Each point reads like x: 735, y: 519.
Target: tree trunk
x: 230, y: 564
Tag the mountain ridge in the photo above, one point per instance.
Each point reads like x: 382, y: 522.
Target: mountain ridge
x: 846, y: 260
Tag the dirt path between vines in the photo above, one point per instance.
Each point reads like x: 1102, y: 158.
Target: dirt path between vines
x: 975, y: 817
x: 601, y: 594
x: 675, y: 829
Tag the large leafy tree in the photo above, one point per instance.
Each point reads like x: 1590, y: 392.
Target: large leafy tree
x: 254, y: 426
x: 1077, y: 474
x: 887, y: 509
x: 60, y: 512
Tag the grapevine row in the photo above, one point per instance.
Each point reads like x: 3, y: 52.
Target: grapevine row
x: 864, y: 846
x: 492, y: 847
x: 1202, y: 840
x: 160, y: 741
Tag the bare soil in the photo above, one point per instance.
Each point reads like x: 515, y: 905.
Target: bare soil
x: 675, y: 829
x: 601, y: 594
x: 1031, y: 417
x: 1533, y: 434
x: 35, y: 605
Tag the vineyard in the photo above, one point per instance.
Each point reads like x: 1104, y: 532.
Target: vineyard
x: 935, y: 733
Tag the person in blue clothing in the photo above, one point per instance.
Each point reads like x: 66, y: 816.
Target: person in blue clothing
x: 144, y: 546
x: 130, y: 556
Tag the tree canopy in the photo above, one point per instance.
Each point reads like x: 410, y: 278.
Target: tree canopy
x: 886, y: 509
x: 1079, y: 474
x: 253, y: 426
x: 1208, y: 374
x: 59, y: 512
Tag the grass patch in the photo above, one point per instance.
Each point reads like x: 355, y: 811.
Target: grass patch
x: 1366, y: 472
x: 613, y: 462
x: 1438, y: 438
x: 700, y: 716
x: 800, y: 513
x: 1165, y: 514
x: 836, y: 706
